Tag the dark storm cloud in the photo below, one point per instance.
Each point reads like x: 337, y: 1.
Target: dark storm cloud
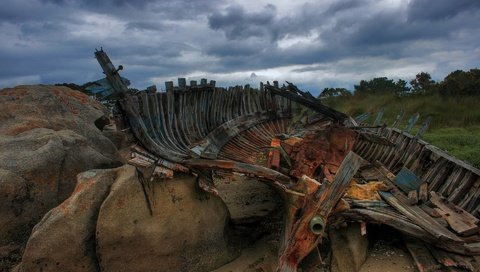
x: 345, y: 6
x: 53, y: 40
x: 145, y: 25
x: 236, y: 23
x: 435, y: 10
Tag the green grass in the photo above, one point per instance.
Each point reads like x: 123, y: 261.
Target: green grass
x: 456, y: 120
x: 463, y: 143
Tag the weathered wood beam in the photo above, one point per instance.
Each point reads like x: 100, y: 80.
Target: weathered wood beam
x: 306, y: 99
x: 305, y: 223
x: 458, y: 219
x: 278, y: 179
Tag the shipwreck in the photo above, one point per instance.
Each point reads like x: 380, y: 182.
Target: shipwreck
x: 318, y: 163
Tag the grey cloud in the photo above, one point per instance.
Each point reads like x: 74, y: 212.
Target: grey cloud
x: 435, y: 10
x: 345, y: 6
x: 239, y: 24
x: 145, y: 25
x: 165, y: 38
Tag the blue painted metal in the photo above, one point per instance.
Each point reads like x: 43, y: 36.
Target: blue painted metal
x: 407, y: 180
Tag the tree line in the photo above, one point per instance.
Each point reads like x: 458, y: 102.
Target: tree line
x: 456, y: 83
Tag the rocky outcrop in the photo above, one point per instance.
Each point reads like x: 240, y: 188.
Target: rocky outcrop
x: 349, y: 248
x: 48, y: 134
x: 106, y: 225
x: 65, y: 238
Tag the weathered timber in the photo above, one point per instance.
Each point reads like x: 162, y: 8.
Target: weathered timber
x: 362, y: 117
x: 291, y: 92
x: 412, y: 197
x: 420, y: 217
x: 379, y: 117
x: 301, y: 236
x: 398, y: 119
x: 459, y: 220
x: 423, y: 128
x: 277, y: 178
x: 423, y: 192
x: 424, y: 260
x: 411, y: 122
x: 431, y: 164
x: 191, y: 122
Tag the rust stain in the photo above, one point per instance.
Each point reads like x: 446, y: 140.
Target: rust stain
x: 325, y: 148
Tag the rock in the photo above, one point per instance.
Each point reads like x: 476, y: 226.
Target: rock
x: 248, y: 200
x: 47, y: 136
x: 349, y: 248
x: 106, y: 225
x: 185, y: 232
x: 65, y: 238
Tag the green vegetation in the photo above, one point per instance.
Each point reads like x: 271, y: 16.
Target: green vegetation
x: 454, y: 105
x: 463, y: 143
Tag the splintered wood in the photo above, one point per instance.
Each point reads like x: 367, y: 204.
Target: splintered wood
x: 301, y: 236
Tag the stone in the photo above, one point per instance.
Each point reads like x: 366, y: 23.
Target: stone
x: 106, y: 225
x: 47, y: 136
x: 349, y: 248
x: 65, y: 238
x: 185, y: 232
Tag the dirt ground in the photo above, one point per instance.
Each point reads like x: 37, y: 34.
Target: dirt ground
x: 385, y: 257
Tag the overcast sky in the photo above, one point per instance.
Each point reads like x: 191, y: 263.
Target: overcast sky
x: 315, y: 44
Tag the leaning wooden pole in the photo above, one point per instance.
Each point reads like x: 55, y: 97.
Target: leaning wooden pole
x: 307, y: 216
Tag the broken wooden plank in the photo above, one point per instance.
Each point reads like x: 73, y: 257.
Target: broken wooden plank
x: 458, y: 219
x: 370, y: 174
x: 277, y: 178
x: 412, y: 197
x: 423, y: 128
x: 398, y: 119
x: 400, y: 202
x: 411, y: 122
x: 422, y: 256
x: 274, y: 155
x: 423, y: 192
x: 379, y: 117
x: 362, y: 117
x: 443, y: 257
x: 292, y: 93
x: 303, y: 234
x: 417, y: 215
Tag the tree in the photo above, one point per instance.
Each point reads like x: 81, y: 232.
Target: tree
x: 401, y: 88
x: 422, y: 83
x: 333, y: 92
x: 381, y: 85
x: 461, y: 83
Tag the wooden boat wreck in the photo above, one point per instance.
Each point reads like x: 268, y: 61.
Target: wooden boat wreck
x: 319, y: 163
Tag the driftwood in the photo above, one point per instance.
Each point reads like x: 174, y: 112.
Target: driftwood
x: 291, y: 92
x: 458, y: 219
x: 304, y: 231
x: 447, y: 240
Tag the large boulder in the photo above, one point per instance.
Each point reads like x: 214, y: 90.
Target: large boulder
x: 65, y: 238
x: 107, y: 225
x: 349, y: 248
x: 48, y: 134
x: 185, y: 232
